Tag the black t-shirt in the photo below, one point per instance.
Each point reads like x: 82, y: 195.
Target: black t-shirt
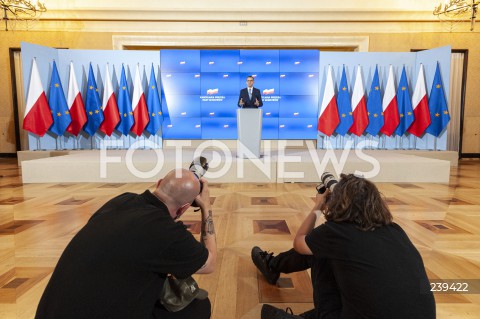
x: 115, y: 266
x: 379, y: 273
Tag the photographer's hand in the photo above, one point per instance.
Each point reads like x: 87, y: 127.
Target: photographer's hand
x: 320, y: 200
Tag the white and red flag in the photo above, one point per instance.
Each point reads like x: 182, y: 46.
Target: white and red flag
x: 390, y: 106
x: 38, y: 117
x: 328, y: 119
x: 359, y: 106
x: 420, y: 106
x: 139, y: 106
x: 75, y: 105
x: 110, y: 107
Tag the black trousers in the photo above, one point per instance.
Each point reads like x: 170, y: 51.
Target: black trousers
x: 291, y: 261
x: 198, y: 309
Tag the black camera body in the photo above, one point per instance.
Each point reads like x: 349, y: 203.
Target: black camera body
x: 328, y: 181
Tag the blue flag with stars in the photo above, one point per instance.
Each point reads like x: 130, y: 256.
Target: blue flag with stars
x: 404, y: 102
x: 58, y: 104
x: 344, y: 105
x: 93, y: 105
x: 154, y: 106
x: 374, y: 107
x: 124, y: 106
x: 438, y: 106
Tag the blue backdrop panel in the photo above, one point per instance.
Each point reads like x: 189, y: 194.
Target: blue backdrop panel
x: 299, y: 106
x: 224, y: 126
x: 219, y: 83
x: 256, y: 61
x: 219, y: 60
x: 212, y: 107
x: 270, y: 128
x: 297, y: 128
x: 299, y: 83
x: 182, y: 128
x: 183, y: 61
x: 181, y: 106
x: 299, y: 60
x: 180, y: 83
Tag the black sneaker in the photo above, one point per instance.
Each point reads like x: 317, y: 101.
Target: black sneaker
x: 261, y: 259
x: 271, y: 312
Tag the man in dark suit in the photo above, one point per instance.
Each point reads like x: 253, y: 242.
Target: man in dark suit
x: 250, y: 97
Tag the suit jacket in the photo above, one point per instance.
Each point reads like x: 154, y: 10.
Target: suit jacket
x: 250, y: 103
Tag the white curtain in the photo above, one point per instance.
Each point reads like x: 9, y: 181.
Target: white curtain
x: 454, y: 105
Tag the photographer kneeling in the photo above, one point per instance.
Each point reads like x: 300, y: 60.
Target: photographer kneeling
x: 117, y: 264
x: 362, y: 264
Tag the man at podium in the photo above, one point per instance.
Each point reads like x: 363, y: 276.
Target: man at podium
x: 250, y: 97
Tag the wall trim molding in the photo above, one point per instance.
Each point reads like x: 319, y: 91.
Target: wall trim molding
x: 359, y: 43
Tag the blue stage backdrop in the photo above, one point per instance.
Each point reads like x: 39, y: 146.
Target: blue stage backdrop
x: 199, y: 90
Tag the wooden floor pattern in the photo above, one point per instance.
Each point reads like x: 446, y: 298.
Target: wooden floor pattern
x: 38, y: 220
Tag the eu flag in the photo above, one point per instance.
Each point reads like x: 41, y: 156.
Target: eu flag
x: 124, y: 106
x: 154, y: 107
x: 374, y: 107
x: 438, y: 106
x: 404, y: 102
x: 344, y: 105
x: 58, y: 104
x: 93, y: 105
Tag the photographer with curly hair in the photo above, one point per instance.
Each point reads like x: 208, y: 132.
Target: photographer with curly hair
x: 363, y: 265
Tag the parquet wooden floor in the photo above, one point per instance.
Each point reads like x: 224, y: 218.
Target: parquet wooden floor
x: 38, y: 220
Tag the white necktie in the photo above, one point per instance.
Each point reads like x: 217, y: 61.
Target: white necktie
x: 250, y: 93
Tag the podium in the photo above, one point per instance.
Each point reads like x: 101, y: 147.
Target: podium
x: 249, y: 125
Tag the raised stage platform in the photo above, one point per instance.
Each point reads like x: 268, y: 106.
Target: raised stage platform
x: 275, y: 166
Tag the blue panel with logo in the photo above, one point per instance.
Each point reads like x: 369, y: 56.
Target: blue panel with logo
x: 299, y: 60
x: 255, y: 61
x: 298, y: 106
x: 180, y: 83
x: 220, y: 60
x: 182, y: 128
x: 185, y: 61
x: 219, y: 84
x: 224, y: 128
x: 297, y: 128
x: 299, y: 83
x: 181, y: 105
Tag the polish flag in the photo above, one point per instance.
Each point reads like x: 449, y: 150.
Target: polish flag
x: 38, y: 117
x: 390, y: 107
x: 329, y: 119
x: 420, y: 106
x: 110, y: 107
x: 75, y: 105
x: 359, y: 106
x: 139, y: 106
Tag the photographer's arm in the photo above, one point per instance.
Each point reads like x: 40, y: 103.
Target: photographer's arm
x: 308, y: 224
x: 208, y: 237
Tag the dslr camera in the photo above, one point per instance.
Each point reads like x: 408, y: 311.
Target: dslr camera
x: 328, y: 181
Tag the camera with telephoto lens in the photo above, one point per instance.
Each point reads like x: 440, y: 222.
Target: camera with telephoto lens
x: 199, y: 167
x: 328, y: 181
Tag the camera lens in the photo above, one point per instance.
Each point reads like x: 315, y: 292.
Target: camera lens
x: 329, y: 180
